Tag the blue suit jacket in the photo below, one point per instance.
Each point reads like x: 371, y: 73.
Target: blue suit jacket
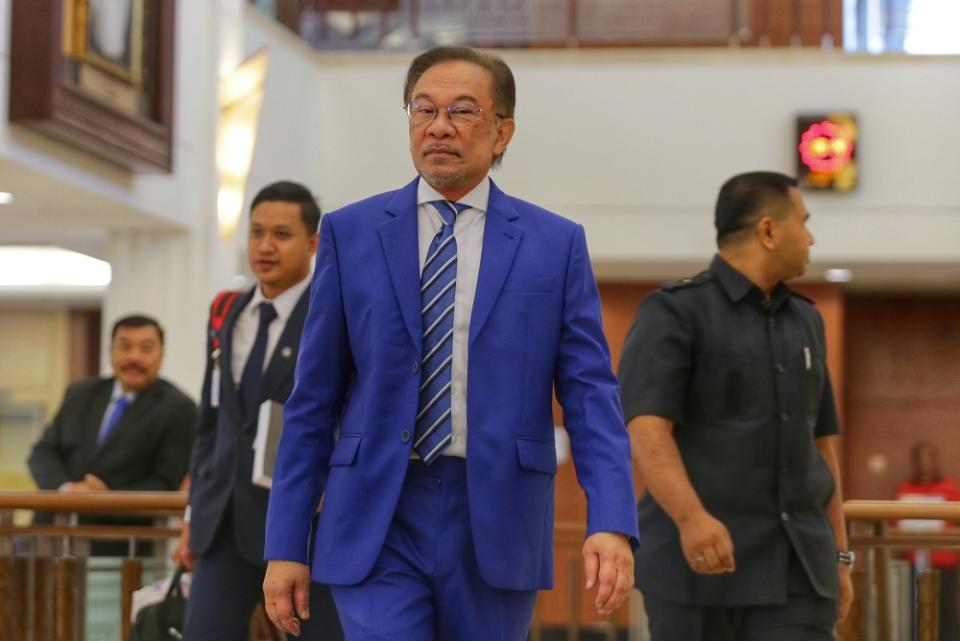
x: 348, y: 424
x: 221, y: 465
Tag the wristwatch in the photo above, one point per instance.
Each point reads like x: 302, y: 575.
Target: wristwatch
x: 847, y: 557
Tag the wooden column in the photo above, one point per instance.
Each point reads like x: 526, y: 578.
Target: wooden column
x: 928, y: 605
x: 13, y: 602
x: 536, y: 625
x: 573, y: 625
x: 39, y: 613
x: 131, y: 580
x: 881, y: 573
x: 852, y: 628
x: 68, y: 599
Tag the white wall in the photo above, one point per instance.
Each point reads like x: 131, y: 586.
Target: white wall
x: 635, y: 144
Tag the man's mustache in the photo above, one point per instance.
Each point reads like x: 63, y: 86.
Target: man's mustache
x: 134, y: 367
x: 443, y: 149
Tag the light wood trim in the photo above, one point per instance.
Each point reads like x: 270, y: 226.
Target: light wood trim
x: 892, y: 510
x: 126, y: 503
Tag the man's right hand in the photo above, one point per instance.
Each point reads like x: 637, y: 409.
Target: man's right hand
x: 286, y: 594
x: 706, y: 544
x: 182, y: 555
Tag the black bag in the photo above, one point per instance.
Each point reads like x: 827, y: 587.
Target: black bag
x: 162, y: 621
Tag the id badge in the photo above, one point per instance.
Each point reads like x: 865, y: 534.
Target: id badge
x: 215, y: 386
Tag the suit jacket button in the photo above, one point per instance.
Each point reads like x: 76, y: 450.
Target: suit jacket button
x: 415, y: 367
x: 405, y: 435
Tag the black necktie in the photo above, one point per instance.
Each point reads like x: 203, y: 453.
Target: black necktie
x: 253, y: 370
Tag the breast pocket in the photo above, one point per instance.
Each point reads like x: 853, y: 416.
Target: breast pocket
x: 734, y: 387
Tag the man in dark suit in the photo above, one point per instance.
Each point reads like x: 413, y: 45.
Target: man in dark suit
x: 443, y: 316
x: 729, y: 404
x: 131, y: 431
x: 252, y: 351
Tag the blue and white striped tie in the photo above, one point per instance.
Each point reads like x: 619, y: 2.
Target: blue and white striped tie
x: 438, y: 288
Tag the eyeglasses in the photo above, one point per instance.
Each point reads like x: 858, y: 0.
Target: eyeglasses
x: 462, y: 114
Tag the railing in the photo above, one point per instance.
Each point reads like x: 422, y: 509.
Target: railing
x: 43, y: 567
x: 415, y: 24
x: 41, y: 585
x: 873, y: 534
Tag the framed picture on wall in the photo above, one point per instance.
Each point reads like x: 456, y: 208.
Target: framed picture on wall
x: 107, y: 87
x: 112, y: 37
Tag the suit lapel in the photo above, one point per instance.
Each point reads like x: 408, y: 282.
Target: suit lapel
x: 501, y: 238
x: 398, y: 237
x: 285, y: 353
x: 97, y: 408
x: 227, y: 384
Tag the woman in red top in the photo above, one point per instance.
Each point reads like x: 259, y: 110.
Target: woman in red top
x: 926, y: 483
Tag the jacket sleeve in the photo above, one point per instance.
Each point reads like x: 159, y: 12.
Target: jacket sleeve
x: 589, y: 394
x: 311, y: 415
x: 47, y: 463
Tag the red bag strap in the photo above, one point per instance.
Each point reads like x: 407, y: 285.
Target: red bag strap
x: 219, y: 310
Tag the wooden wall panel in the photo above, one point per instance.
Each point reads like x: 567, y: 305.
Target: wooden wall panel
x: 903, y: 361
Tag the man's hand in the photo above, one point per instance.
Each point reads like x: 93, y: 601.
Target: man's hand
x: 846, y: 592
x: 608, y: 562
x: 286, y: 594
x: 76, y: 487
x: 95, y: 483
x: 706, y: 544
x: 181, y: 554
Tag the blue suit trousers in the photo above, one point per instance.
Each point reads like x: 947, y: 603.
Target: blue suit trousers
x: 426, y: 584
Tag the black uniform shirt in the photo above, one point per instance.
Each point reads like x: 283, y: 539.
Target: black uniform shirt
x: 744, y: 380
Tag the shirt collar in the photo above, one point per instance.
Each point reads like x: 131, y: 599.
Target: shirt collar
x: 283, y: 303
x: 477, y: 198
x: 118, y: 392
x: 739, y: 287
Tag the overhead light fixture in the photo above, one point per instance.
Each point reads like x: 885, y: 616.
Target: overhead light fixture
x: 241, y: 94
x: 838, y: 275
x: 37, y: 266
x: 5, y: 198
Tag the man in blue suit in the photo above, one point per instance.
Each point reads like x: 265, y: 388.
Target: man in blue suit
x: 252, y: 346
x: 442, y: 317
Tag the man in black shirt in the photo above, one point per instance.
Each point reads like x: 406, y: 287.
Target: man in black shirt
x: 728, y: 401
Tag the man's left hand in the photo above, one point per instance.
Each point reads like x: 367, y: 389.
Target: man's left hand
x: 846, y: 593
x: 95, y: 483
x: 608, y: 561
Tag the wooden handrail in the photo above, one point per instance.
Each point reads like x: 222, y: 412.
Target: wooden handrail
x: 125, y: 503
x: 884, y: 510
x: 100, y: 532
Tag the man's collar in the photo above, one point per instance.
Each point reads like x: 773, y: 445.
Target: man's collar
x: 739, y: 287
x: 284, y: 302
x: 117, y: 391
x: 477, y: 198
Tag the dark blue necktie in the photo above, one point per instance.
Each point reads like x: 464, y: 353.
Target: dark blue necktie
x: 119, y: 406
x: 438, y: 286
x: 253, y: 370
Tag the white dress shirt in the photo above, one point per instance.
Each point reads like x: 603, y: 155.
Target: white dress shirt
x: 468, y: 231
x: 248, y: 320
